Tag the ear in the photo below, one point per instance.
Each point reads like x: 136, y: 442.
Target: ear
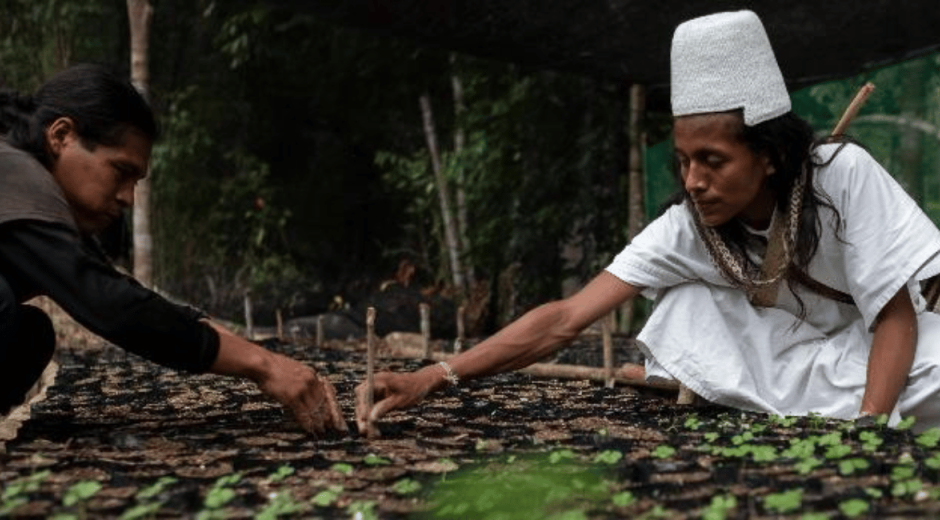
x: 769, y: 168
x: 58, y: 133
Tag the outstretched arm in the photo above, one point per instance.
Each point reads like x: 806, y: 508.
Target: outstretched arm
x: 535, y: 335
x: 892, y: 355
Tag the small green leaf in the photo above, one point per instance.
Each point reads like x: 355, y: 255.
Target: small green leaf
x: 906, y: 423
x: 805, y: 466
x: 326, y: 497
x: 624, y: 499
x: 281, y: 473
x: 80, y: 492
x: 838, y: 451
x: 342, y: 467
x: 784, y: 502
x: 407, y: 486
x: 374, y: 460
x: 362, y: 510
x: 217, y: 497
x: 608, y: 457
x: 141, y: 511
x: 853, y: 507
x: 557, y: 456
x: 929, y: 438
x: 664, y: 451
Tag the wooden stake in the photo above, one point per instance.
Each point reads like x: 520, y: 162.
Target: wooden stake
x: 686, y: 395
x: 853, y: 109
x: 249, y: 321
x: 280, y: 325
x: 606, y: 325
x: 371, y: 432
x: 425, y: 311
x: 458, y: 344
x: 319, y: 331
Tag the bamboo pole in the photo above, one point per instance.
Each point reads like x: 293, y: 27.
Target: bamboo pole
x: 249, y: 321
x: 371, y: 432
x: 320, y: 331
x: 686, y: 395
x: 458, y: 344
x: 280, y: 325
x: 860, y: 98
x: 606, y: 325
x: 425, y: 311
x: 635, y: 184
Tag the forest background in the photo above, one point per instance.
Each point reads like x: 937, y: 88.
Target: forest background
x: 309, y: 163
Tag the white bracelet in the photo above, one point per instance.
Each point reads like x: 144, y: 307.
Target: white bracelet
x: 449, y: 374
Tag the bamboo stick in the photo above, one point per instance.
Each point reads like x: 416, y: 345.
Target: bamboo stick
x: 319, y: 331
x: 853, y: 109
x: 371, y: 432
x: 458, y: 343
x: 249, y: 321
x: 686, y: 395
x: 425, y: 311
x: 606, y: 325
x: 280, y: 325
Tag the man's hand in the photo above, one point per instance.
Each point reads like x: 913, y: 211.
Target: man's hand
x: 394, y: 392
x: 309, y: 397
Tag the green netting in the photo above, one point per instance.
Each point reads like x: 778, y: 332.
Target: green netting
x: 900, y: 126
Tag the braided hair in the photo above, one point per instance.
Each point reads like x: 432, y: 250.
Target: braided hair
x: 102, y: 105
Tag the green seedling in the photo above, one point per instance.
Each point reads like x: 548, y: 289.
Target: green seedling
x: 608, y: 457
x: 741, y: 439
x: 710, y: 436
x: 79, y: 493
x: 805, y: 466
x: 407, y: 486
x: 664, y: 451
x: 362, y: 510
x: 693, y: 423
x: 874, y: 492
x: 14, y: 494
x: 280, y: 504
x: 849, y: 466
x: 838, y: 451
x: 327, y: 497
x: 719, y: 507
x: 870, y: 440
x: 145, y: 508
x: 854, y: 507
x: 902, y: 472
x: 758, y: 428
x: 800, y: 449
x: 764, y: 453
x: 281, y: 473
x: 929, y: 438
x: 907, y: 423
x: 218, y: 496
x: 624, y: 499
x: 903, y: 488
x: 342, y: 467
x: 155, y: 489
x: 784, y: 502
x: 374, y: 460
x: 557, y: 456
x: 830, y: 439
x: 933, y: 462
x: 783, y: 421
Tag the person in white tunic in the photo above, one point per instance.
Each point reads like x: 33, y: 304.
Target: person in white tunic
x: 786, y: 279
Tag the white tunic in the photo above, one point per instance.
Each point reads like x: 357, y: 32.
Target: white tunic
x: 706, y: 333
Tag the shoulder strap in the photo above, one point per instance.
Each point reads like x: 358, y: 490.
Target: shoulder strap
x: 800, y: 277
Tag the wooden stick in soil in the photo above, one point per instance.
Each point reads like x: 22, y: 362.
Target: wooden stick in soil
x: 320, y: 331
x: 853, y: 109
x: 249, y: 322
x: 425, y: 311
x: 458, y: 344
x: 686, y: 395
x: 280, y: 325
x: 371, y: 432
x: 606, y: 325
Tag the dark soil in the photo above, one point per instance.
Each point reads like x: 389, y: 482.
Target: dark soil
x: 116, y: 419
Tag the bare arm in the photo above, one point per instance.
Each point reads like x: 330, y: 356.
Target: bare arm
x: 310, y: 398
x: 892, y: 355
x: 535, y: 335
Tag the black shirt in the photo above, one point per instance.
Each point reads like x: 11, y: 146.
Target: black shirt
x: 51, y: 259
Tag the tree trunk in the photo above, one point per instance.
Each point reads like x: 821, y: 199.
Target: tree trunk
x: 459, y: 140
x: 450, y: 229
x: 139, y: 13
x: 636, y: 211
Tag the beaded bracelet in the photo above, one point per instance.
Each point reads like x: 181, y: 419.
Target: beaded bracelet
x: 449, y: 374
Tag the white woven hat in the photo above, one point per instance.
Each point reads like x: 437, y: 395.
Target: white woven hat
x: 723, y: 62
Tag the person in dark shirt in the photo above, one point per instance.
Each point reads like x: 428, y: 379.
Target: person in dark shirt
x: 70, y: 156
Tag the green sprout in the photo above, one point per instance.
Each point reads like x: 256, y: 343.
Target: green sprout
x: 218, y: 496
x: 719, y: 507
x: 664, y: 451
x: 784, y: 502
x: 79, y: 493
x: 342, y: 467
x: 326, y: 497
x: 907, y: 423
x: 557, y: 456
x: 407, y: 486
x: 374, y: 460
x: 693, y: 423
x: 608, y: 457
x: 624, y: 499
x: 14, y: 494
x: 281, y: 473
x: 849, y: 466
x: 280, y: 504
x: 805, y: 466
x: 929, y: 438
x: 870, y: 440
x: 145, y: 508
x: 362, y: 510
x: 838, y: 451
x: 854, y: 507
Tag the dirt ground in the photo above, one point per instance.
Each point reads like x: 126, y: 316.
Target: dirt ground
x: 161, y: 444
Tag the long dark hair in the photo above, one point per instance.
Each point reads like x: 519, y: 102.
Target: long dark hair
x: 102, y: 105
x: 789, y: 143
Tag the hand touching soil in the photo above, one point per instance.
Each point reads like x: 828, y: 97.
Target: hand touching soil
x: 393, y: 391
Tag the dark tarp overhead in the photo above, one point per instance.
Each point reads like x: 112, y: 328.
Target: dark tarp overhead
x: 629, y: 40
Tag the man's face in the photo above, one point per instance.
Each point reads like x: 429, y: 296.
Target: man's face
x: 99, y: 183
x: 724, y: 178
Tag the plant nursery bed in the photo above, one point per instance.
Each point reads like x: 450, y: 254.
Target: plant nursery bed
x: 119, y: 437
